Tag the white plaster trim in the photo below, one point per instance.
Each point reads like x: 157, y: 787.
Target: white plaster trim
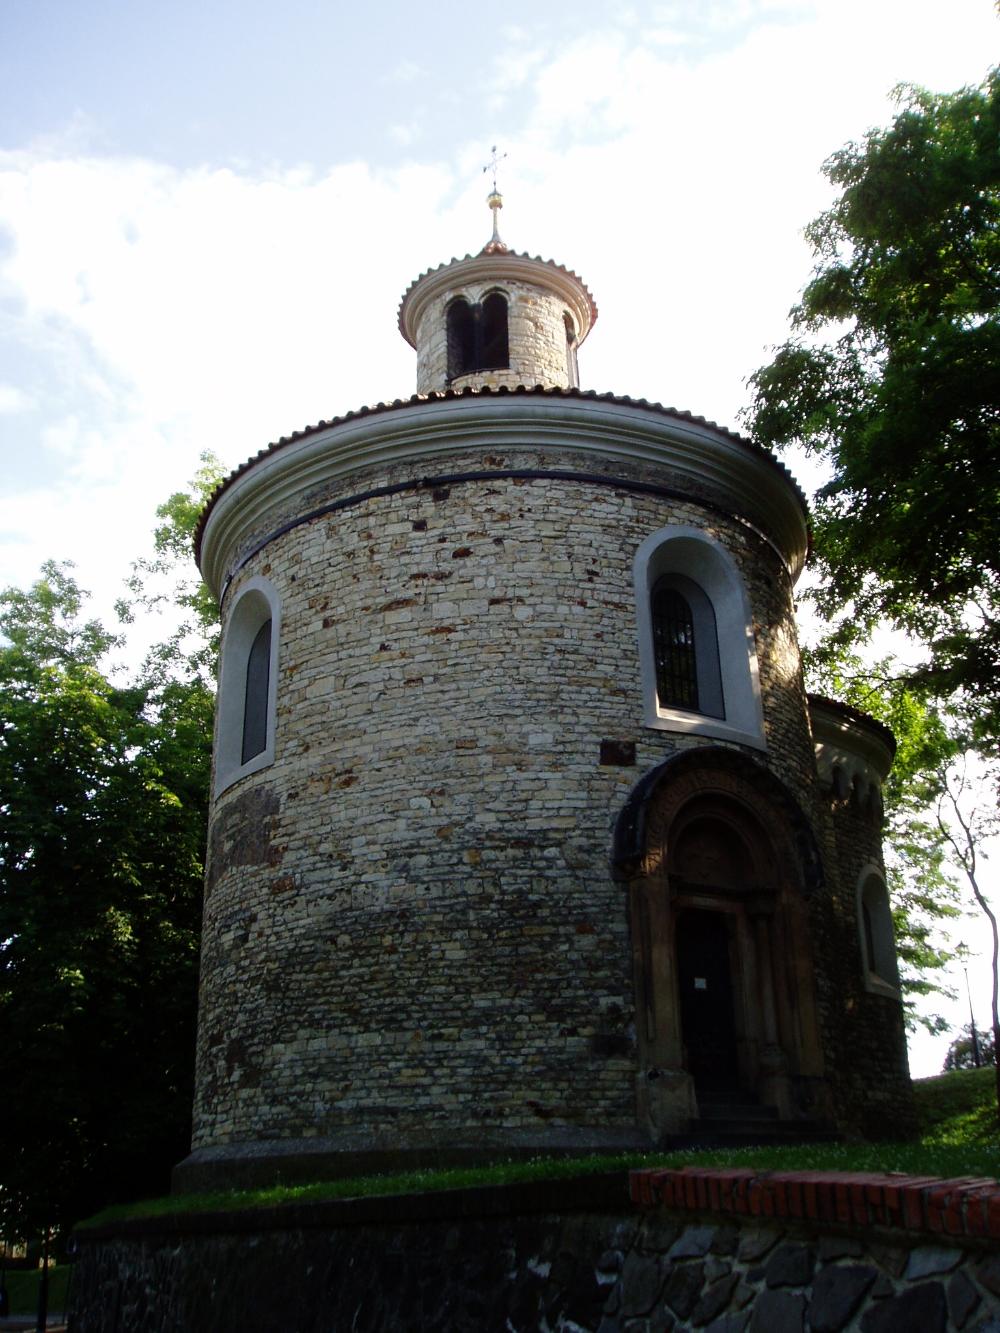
x: 675, y: 549
x: 245, y: 619
x: 278, y: 481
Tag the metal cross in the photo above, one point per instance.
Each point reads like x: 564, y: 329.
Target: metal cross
x: 492, y: 165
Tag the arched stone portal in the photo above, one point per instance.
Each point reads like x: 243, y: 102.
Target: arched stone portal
x: 720, y: 864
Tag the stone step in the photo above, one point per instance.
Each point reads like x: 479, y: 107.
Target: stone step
x: 751, y: 1133
x: 741, y: 1110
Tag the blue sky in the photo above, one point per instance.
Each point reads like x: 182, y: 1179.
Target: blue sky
x: 209, y: 211
x: 253, y: 84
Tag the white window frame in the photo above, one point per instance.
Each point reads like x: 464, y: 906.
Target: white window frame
x: 257, y: 602
x: 693, y: 554
x: 881, y: 973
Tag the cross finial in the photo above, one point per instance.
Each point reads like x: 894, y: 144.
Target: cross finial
x: 494, y: 246
x: 492, y: 164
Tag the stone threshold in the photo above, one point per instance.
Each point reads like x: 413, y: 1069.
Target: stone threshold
x: 966, y: 1208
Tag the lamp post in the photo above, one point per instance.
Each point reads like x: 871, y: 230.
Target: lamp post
x: 963, y: 953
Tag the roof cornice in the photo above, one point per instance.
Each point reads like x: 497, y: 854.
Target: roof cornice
x: 840, y: 730
x: 496, y: 267
x: 750, y: 482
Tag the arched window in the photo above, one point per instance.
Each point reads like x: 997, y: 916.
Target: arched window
x: 696, y: 647
x: 255, y: 694
x: 572, y: 366
x: 686, y: 647
x: 493, y: 322
x: 248, y: 684
x: 461, y: 338
x: 477, y: 335
x: 878, y: 945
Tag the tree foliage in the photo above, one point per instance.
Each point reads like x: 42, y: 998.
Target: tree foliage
x: 961, y: 1053
x: 169, y: 581
x: 103, y: 802
x: 904, y: 400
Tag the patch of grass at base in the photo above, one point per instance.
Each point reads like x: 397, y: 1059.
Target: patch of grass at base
x: 958, y: 1108
x: 940, y: 1159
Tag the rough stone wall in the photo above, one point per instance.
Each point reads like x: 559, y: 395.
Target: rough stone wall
x: 536, y: 338
x: 867, y: 1039
x: 410, y: 922
x: 456, y: 1264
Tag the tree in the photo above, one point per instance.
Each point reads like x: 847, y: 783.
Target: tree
x: 966, y: 825
x: 961, y: 1053
x: 904, y: 403
x: 103, y: 795
x: 170, y: 581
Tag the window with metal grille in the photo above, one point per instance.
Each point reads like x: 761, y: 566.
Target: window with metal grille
x: 674, y: 648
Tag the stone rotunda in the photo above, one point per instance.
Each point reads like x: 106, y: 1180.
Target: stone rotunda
x: 525, y: 836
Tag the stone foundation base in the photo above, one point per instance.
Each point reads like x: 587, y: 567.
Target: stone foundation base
x: 880, y: 1254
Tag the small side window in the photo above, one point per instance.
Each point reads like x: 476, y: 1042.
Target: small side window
x: 878, y: 946
x: 572, y: 365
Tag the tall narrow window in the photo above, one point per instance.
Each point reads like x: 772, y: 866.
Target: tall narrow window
x: 461, y: 338
x: 877, y: 943
x: 572, y: 368
x: 674, y: 646
x: 256, y: 694
x: 248, y: 682
x: 869, y: 934
x: 495, y: 353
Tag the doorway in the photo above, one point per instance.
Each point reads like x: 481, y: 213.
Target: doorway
x: 705, y: 983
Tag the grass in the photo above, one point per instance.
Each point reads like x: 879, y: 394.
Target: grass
x: 958, y: 1108
x: 957, y: 1116
x: 22, y: 1287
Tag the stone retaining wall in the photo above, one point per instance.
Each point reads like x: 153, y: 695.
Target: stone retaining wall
x: 730, y: 1252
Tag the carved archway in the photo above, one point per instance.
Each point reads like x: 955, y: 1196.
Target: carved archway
x: 720, y: 863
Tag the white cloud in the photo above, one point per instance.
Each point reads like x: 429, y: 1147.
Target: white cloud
x: 13, y: 400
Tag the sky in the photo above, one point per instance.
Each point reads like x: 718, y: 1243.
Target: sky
x: 209, y: 210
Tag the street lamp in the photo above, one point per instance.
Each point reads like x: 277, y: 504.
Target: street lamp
x: 963, y: 953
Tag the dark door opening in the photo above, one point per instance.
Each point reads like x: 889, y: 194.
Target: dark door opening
x: 708, y: 1023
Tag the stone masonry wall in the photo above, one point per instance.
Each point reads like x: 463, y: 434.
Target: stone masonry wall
x: 869, y: 1038
x: 719, y: 1251
x: 410, y: 921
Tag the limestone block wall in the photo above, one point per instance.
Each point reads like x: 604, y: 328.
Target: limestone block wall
x: 411, y: 929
